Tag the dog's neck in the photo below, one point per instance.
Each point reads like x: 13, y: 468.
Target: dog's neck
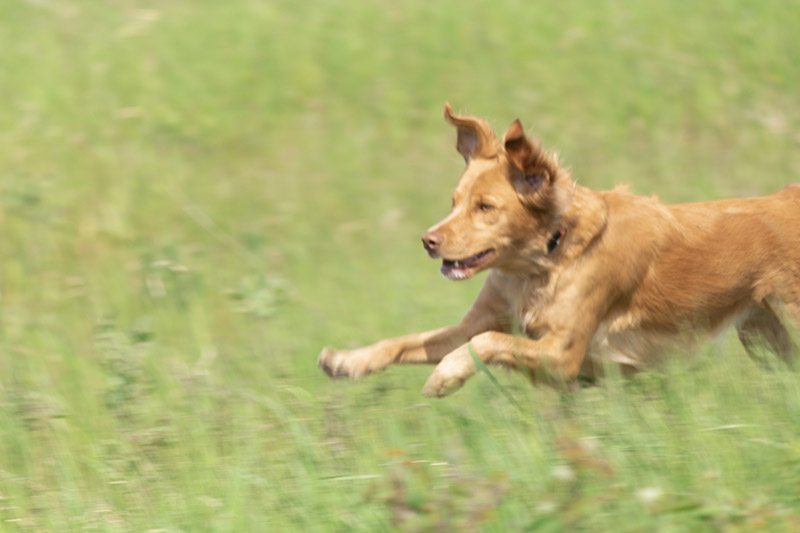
x: 584, y: 219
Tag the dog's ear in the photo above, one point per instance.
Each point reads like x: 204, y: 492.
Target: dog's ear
x: 475, y: 136
x: 533, y: 171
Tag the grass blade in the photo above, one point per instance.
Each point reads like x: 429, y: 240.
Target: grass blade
x: 483, y: 368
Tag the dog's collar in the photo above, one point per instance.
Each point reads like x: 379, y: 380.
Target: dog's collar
x: 556, y: 239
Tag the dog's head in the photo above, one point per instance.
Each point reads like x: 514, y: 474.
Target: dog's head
x: 507, y: 206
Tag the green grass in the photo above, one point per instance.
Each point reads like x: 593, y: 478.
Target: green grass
x: 195, y: 197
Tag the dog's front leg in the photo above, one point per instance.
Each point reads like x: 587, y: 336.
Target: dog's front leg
x: 427, y: 347
x: 489, y: 312
x: 560, y: 357
x: 421, y: 348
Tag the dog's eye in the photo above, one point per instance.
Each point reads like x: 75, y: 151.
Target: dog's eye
x: 485, y: 207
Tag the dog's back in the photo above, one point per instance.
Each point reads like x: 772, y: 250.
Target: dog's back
x: 701, y: 267
x: 752, y: 244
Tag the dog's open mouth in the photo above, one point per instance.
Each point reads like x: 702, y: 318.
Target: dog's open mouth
x: 465, y: 268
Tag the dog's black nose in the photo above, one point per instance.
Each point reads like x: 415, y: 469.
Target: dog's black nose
x: 431, y: 241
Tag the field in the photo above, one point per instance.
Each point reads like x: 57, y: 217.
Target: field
x: 196, y: 196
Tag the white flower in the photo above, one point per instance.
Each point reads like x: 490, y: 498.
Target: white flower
x: 649, y: 494
x: 563, y: 473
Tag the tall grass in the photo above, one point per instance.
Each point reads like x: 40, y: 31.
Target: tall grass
x: 197, y: 196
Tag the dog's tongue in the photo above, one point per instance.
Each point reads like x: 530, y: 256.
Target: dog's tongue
x: 454, y: 268
x: 462, y: 264
x: 461, y: 269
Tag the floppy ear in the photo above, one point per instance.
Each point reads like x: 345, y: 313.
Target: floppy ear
x: 475, y: 136
x: 532, y: 169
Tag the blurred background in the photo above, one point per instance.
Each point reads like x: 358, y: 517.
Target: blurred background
x: 196, y: 196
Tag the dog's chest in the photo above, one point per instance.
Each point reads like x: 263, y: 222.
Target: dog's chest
x: 537, y: 307
x: 528, y: 301
x: 619, y: 339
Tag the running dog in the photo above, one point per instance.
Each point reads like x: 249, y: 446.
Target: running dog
x: 590, y: 276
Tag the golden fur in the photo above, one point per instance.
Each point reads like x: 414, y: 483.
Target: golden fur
x: 591, y: 274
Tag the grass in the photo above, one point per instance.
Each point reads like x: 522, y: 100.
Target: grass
x: 195, y: 197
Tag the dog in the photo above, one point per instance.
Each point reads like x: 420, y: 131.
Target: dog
x: 590, y: 276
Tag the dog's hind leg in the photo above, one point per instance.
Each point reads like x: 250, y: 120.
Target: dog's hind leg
x: 762, y: 326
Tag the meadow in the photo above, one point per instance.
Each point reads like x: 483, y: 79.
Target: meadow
x: 197, y: 196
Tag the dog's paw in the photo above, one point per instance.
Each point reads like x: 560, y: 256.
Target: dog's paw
x: 440, y: 385
x: 449, y: 375
x: 350, y: 364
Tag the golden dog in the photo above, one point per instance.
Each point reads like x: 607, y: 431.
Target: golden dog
x: 590, y: 275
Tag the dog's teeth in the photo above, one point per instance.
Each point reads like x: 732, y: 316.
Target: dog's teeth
x: 458, y: 264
